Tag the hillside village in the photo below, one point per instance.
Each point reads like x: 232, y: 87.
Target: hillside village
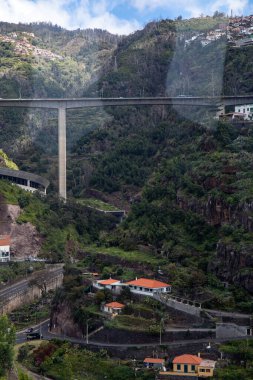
x: 238, y: 31
x: 23, y: 43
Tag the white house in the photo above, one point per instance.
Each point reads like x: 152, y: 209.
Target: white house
x: 5, y: 243
x: 148, y: 287
x: 113, y: 307
x: 246, y: 109
x: 110, y: 283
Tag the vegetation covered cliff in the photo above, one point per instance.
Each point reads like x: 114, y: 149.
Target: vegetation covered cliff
x: 184, y: 178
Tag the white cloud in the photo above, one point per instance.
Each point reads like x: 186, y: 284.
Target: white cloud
x: 70, y: 14
x: 193, y: 7
x: 237, y: 6
x: 83, y: 14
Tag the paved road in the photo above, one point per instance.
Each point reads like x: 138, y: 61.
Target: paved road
x: 23, y: 285
x: 43, y: 329
x: 220, y: 313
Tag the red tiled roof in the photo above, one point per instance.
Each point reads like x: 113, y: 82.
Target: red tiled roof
x: 187, y: 359
x: 108, y: 282
x: 5, y: 240
x: 153, y: 360
x: 147, y: 283
x: 115, y: 305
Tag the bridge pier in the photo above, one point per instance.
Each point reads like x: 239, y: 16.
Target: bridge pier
x: 62, y: 152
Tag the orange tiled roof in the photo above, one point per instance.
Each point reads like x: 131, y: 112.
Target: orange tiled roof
x: 147, y: 283
x: 187, y: 359
x: 110, y: 281
x: 5, y: 240
x: 153, y: 360
x: 115, y: 305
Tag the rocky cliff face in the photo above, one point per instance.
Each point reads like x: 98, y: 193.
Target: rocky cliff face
x: 234, y: 265
x: 218, y: 212
x: 25, y: 239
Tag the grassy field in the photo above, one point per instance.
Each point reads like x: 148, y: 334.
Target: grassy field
x: 97, y: 204
x: 131, y: 323
x: 131, y: 256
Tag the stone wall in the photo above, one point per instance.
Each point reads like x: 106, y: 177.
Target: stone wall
x: 231, y: 330
x: 28, y: 296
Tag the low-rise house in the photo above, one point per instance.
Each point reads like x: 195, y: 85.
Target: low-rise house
x: 185, y: 364
x: 141, y: 286
x: 190, y: 367
x: 5, y: 243
x: 246, y: 110
x: 148, y: 287
x: 113, y: 307
x: 155, y: 363
x: 110, y: 283
x: 206, y: 368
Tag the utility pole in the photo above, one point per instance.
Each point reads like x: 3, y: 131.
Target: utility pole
x: 161, y: 331
x: 87, y: 332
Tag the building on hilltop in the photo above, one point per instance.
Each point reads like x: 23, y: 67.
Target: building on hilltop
x: 145, y: 286
x: 110, y: 283
x: 113, y: 307
x: 141, y: 286
x: 5, y: 244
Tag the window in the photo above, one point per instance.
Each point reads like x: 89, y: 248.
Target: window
x: 208, y: 370
x: 178, y: 367
x: 247, y: 109
x: 201, y: 370
x: 193, y: 367
x: 239, y: 110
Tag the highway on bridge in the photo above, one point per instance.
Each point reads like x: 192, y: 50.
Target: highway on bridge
x: 63, y: 104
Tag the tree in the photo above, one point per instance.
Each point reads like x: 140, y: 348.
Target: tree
x: 7, y: 341
x: 218, y: 14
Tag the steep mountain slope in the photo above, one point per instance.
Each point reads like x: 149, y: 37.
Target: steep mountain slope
x: 188, y: 185
x: 41, y: 60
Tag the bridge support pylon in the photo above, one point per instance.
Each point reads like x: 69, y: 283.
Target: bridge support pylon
x: 62, y: 152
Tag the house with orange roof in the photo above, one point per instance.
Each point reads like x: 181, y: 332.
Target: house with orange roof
x: 186, y: 364
x: 5, y: 244
x: 190, y: 367
x: 149, y: 287
x: 155, y: 363
x: 113, y: 307
x: 110, y: 283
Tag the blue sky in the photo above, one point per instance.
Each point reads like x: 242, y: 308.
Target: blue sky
x: 117, y: 16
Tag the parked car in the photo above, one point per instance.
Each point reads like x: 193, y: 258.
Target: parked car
x: 33, y: 335
x: 29, y: 330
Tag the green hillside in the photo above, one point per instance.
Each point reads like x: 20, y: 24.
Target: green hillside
x: 184, y: 178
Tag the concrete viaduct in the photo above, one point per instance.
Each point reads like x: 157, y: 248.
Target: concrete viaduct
x: 63, y: 104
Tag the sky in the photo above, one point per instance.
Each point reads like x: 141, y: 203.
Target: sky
x: 116, y: 16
